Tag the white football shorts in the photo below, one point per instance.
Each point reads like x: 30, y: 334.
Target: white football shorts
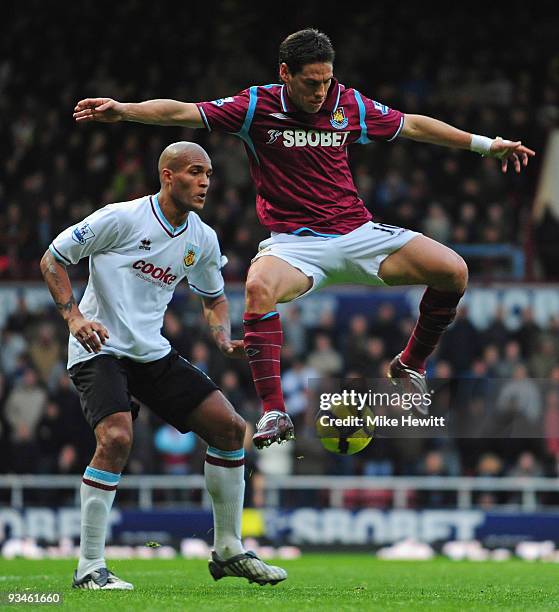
x: 353, y: 258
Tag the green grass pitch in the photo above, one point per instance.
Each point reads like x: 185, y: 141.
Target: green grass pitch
x: 316, y: 582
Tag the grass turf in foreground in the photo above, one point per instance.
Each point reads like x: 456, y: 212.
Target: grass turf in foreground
x: 316, y: 582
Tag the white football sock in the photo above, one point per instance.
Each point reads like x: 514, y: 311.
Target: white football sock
x: 225, y: 481
x: 97, y: 494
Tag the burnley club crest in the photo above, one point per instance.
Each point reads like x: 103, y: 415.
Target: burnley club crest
x: 191, y: 252
x: 189, y: 257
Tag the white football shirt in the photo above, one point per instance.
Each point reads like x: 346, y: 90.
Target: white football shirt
x: 136, y: 259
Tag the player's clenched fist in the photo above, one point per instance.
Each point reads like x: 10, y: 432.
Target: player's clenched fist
x: 106, y: 110
x: 89, y: 334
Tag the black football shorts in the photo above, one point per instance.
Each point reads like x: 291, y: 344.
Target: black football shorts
x: 171, y: 387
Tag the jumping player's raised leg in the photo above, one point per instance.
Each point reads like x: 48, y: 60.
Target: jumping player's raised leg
x: 423, y: 261
x: 270, y: 281
x: 216, y: 421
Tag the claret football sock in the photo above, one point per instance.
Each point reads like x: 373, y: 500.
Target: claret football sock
x: 97, y: 494
x: 263, y: 343
x: 225, y: 481
x: 436, y: 312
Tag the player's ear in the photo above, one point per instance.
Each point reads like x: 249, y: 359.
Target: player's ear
x: 284, y: 72
x: 166, y: 175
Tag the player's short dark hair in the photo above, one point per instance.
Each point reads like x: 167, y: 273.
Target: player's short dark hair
x: 306, y: 47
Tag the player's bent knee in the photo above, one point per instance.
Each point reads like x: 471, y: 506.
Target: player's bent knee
x: 453, y: 274
x: 231, y: 436
x: 217, y: 422
x: 460, y: 273
x: 259, y: 293
x: 115, y: 440
x: 240, y: 430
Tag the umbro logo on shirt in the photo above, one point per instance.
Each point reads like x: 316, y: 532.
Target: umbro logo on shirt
x: 280, y: 116
x: 145, y: 244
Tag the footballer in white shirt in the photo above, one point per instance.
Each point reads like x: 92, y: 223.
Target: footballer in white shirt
x: 138, y: 252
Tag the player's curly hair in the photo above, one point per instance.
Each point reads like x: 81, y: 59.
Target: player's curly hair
x: 304, y: 47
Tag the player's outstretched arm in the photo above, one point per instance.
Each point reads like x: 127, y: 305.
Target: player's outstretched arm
x: 216, y: 311
x: 427, y: 129
x: 154, y: 112
x: 90, y: 334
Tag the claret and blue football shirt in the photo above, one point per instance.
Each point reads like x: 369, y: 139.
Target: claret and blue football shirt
x: 136, y: 259
x: 299, y: 161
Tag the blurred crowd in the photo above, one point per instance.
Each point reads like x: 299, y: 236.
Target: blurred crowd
x: 447, y: 66
x: 42, y: 429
